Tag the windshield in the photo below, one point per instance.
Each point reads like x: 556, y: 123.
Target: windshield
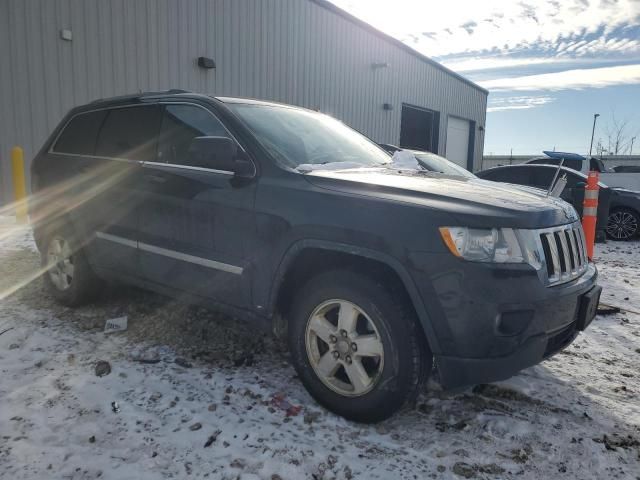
x: 298, y: 137
x: 436, y: 163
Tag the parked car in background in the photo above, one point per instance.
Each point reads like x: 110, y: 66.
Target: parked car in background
x: 627, y: 178
x: 618, y: 208
x: 288, y: 217
x: 627, y: 169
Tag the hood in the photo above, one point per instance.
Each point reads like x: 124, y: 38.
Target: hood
x: 476, y: 202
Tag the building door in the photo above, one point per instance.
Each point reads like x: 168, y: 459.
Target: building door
x: 419, y: 128
x: 458, y: 133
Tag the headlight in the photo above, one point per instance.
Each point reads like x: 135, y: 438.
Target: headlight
x: 496, y: 245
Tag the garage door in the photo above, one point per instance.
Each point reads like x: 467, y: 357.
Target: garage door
x: 458, y: 141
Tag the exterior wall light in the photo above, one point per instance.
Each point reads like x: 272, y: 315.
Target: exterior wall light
x: 206, y: 63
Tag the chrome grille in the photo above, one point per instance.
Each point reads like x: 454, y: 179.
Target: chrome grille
x: 564, y: 252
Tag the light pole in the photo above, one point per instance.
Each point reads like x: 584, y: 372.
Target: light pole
x: 593, y: 130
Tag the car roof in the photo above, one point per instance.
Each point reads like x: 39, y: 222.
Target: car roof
x: 537, y: 165
x: 176, y: 93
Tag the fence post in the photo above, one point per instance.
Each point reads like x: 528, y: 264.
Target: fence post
x: 19, y: 187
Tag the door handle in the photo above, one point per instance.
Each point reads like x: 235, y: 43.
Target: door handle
x: 155, y: 178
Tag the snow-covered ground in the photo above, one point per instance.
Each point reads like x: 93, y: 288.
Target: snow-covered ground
x: 204, y: 396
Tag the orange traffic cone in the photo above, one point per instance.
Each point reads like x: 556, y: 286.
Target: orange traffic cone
x: 590, y: 211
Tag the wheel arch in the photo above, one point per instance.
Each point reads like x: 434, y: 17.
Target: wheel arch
x: 305, y: 256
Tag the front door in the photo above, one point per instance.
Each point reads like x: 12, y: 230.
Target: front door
x: 195, y: 223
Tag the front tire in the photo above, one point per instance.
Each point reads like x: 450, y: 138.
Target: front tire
x: 623, y: 224
x: 356, y: 345
x: 67, y: 274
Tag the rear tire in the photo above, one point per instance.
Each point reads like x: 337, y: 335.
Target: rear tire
x: 369, y: 372
x: 623, y: 224
x: 67, y: 274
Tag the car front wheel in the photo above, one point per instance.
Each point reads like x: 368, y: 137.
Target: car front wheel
x: 356, y: 345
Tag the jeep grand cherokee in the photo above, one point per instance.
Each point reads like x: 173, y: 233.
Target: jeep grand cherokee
x: 286, y: 215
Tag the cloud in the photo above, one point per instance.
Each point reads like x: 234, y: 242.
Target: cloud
x: 570, y: 79
x: 476, y: 63
x: 470, y: 26
x: 517, y: 103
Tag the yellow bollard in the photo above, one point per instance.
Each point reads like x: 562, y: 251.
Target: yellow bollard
x: 19, y: 187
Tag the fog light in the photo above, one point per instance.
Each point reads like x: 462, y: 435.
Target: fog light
x: 514, y: 322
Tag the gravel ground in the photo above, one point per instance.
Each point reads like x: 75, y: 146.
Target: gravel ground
x: 207, y: 396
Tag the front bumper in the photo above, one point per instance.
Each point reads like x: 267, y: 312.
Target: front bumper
x: 492, y: 321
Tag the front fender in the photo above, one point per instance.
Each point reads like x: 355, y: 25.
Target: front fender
x: 299, y: 246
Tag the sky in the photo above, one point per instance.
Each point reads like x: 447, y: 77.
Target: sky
x: 549, y: 65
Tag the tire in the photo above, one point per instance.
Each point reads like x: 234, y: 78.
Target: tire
x: 67, y: 274
x: 623, y: 224
x: 393, y: 353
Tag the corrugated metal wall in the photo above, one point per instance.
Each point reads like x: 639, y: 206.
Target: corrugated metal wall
x: 294, y: 51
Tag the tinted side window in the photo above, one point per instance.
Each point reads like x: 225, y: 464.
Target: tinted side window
x: 542, y: 177
x: 80, y: 134
x: 130, y: 132
x: 509, y: 175
x: 574, y: 180
x: 180, y: 125
x: 543, y: 161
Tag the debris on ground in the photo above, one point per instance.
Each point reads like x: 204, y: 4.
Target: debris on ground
x: 102, y: 368
x: 212, y: 438
x: 607, y: 310
x: 149, y: 355
x: 115, y: 325
x: 183, y: 362
x: 279, y: 401
x: 311, y: 417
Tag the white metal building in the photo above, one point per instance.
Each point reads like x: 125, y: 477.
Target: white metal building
x: 60, y: 53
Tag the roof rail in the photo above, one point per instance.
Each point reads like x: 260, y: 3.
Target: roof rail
x: 131, y: 96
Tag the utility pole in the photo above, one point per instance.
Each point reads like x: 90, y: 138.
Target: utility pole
x: 593, y: 130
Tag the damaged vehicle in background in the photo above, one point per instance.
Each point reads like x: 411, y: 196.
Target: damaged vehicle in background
x: 627, y: 177
x: 618, y: 208
x: 288, y: 217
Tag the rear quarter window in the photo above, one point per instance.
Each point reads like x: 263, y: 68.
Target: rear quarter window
x: 80, y: 134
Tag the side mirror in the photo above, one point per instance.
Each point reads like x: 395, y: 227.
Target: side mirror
x: 220, y: 153
x: 581, y: 184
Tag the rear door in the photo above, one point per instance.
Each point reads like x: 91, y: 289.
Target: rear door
x: 196, y: 223
x: 127, y: 138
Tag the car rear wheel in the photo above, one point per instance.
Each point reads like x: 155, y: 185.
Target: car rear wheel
x: 622, y: 224
x: 356, y: 345
x: 67, y: 274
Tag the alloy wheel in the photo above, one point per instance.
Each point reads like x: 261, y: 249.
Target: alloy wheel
x: 622, y: 225
x: 60, y: 263
x: 344, y: 347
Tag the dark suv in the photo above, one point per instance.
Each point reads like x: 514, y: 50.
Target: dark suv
x: 288, y: 216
